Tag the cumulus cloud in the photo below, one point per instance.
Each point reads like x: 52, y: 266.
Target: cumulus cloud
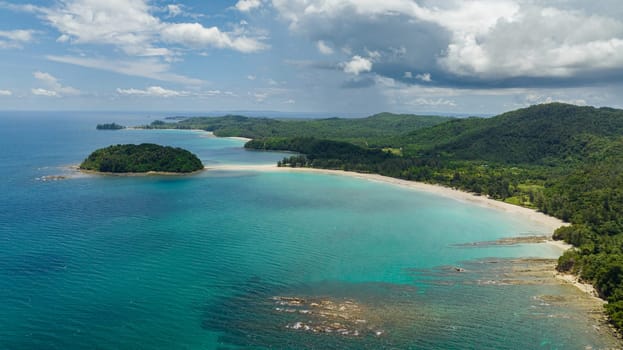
x: 53, y: 86
x: 478, y: 43
x: 357, y: 65
x: 537, y: 41
x: 131, y: 26
x: 15, y: 38
x: 6, y: 93
x: 248, y: 5
x: 126, y: 24
x: 174, y: 10
x: 152, y: 91
x: 425, y: 77
x: 532, y: 99
x: 324, y: 48
x: 198, y: 36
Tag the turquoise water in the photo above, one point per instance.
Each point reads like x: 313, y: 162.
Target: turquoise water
x: 205, y: 261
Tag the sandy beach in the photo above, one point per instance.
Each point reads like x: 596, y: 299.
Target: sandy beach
x: 547, y: 222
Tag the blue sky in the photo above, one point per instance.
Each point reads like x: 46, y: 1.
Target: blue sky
x: 321, y: 56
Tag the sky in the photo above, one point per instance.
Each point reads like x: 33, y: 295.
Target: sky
x: 321, y: 56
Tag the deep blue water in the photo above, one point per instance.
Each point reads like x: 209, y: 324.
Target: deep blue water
x: 204, y: 261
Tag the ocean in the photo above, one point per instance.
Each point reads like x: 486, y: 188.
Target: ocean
x: 256, y: 260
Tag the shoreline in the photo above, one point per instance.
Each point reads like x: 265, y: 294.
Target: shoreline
x: 209, y: 133
x: 547, y: 222
x: 148, y: 173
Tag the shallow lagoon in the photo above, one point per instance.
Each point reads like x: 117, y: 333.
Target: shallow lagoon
x: 206, y: 261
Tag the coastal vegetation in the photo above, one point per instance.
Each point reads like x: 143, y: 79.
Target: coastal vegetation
x: 563, y: 160
x: 109, y: 126
x: 370, y: 132
x: 142, y: 158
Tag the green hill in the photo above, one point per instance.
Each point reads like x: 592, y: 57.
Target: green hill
x: 371, y: 131
x: 536, y: 135
x: 564, y: 160
x: 141, y: 158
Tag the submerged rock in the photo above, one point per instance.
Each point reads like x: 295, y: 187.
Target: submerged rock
x: 341, y: 317
x: 52, y: 178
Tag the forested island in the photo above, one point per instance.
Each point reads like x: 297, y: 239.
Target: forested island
x: 143, y: 158
x: 563, y: 160
x: 109, y: 126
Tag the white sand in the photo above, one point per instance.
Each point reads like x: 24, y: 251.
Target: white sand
x: 584, y: 287
x: 547, y: 222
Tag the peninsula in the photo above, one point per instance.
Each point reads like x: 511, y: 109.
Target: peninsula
x: 143, y: 158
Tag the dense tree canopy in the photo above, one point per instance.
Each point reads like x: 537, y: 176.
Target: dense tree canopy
x: 109, y: 126
x: 370, y: 132
x: 142, y: 158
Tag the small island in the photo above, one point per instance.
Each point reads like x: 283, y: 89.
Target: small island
x: 143, y: 158
x: 109, y: 126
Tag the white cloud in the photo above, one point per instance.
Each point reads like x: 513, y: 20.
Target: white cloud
x: 251, y: 77
x: 6, y: 93
x: 260, y: 96
x: 248, y: 5
x: 408, y: 75
x: 44, y: 92
x: 54, y: 87
x: 158, y: 91
x: 196, y: 35
x: 20, y: 8
x: 425, y: 77
x: 174, y: 10
x: 127, y: 24
x: 533, y: 98
x: 63, y: 38
x: 130, y: 25
x: 357, y: 65
x: 19, y: 35
x: 431, y: 102
x: 324, y: 48
x: 275, y: 94
x: 485, y: 39
x: 145, y: 68
x: 153, y: 91
x: 539, y: 41
x: 15, y: 38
